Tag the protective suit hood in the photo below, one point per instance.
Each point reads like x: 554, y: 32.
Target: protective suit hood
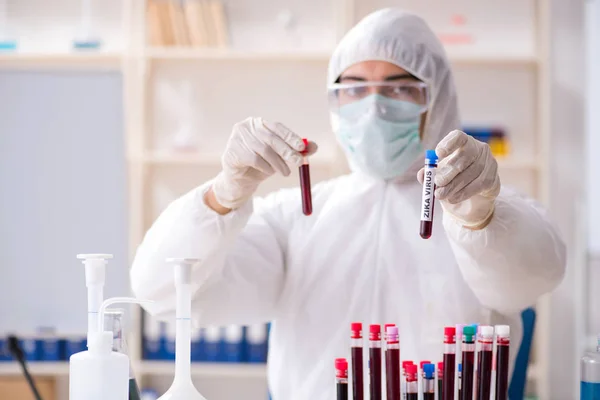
x: 403, y: 39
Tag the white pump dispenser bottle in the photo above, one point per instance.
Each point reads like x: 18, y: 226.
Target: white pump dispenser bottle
x: 100, y: 373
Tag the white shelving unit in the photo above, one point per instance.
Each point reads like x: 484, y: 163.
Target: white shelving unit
x: 503, y: 86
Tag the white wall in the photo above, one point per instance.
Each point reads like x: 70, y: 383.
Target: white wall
x: 62, y: 192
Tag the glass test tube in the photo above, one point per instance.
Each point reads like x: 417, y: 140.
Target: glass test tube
x: 428, y: 382
x: 341, y: 378
x: 305, y: 187
x: 484, y: 362
x: 412, y: 382
x: 405, y: 364
x: 375, y: 362
x: 357, y: 360
x: 468, y: 362
x: 440, y: 378
x: 392, y: 363
x: 460, y: 381
x: 447, y: 392
x: 428, y: 202
x: 502, y: 361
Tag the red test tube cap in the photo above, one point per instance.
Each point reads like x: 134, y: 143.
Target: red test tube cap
x: 423, y: 363
x: 375, y: 332
x: 356, y: 330
x: 411, y: 372
x: 450, y: 334
x: 406, y: 363
x: 305, y: 140
x: 440, y: 368
x: 341, y: 368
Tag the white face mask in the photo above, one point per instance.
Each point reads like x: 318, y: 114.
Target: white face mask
x: 380, y: 135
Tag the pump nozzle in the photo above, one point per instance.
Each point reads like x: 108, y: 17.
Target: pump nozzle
x: 95, y: 276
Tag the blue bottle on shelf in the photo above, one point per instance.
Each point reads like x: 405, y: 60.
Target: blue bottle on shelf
x: 233, y: 343
x: 256, y: 343
x: 32, y: 347
x: 169, y: 343
x: 72, y: 344
x: 153, y: 338
x: 212, y: 344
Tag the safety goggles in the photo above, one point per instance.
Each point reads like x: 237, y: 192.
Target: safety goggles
x: 346, y: 94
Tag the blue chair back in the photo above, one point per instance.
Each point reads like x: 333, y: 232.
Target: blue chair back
x: 516, y: 389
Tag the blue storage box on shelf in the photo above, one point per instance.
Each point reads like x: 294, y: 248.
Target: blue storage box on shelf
x: 4, y: 355
x: 233, y: 344
x: 51, y: 348
x: 31, y: 346
x: 168, y: 352
x: 212, y: 344
x: 73, y: 343
x: 49, y: 344
x: 197, y: 345
x: 153, y: 340
x: 256, y: 343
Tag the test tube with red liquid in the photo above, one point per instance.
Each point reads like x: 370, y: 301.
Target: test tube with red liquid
x: 440, y: 377
x: 428, y: 202
x: 460, y: 385
x: 412, y: 382
x: 305, y: 187
x: 356, y: 350
x: 341, y: 378
x: 447, y: 392
x: 392, y: 363
x: 405, y: 364
x: 429, y: 381
x: 375, y: 362
x: 468, y: 362
x: 502, y: 360
x: 484, y: 362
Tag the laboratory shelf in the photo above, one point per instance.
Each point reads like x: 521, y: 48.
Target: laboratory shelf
x: 35, y: 368
x: 183, y: 53
x: 493, y: 59
x: 517, y: 164
x: 239, y: 370
x: 188, y: 53
x: 60, y: 60
x: 203, y: 160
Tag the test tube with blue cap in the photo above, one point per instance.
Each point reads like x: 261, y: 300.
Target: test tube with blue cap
x: 428, y: 202
x: 429, y: 382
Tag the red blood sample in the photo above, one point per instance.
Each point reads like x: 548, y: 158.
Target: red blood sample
x: 357, y: 361
x: 375, y: 362
x: 305, y: 187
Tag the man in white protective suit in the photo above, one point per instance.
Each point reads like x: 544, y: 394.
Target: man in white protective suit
x: 359, y: 256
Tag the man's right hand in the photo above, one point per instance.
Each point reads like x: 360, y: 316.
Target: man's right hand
x: 256, y: 150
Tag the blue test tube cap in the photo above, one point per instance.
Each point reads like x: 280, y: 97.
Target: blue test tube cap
x: 430, y: 156
x: 429, y: 371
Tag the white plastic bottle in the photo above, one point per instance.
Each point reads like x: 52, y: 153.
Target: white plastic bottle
x: 100, y: 373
